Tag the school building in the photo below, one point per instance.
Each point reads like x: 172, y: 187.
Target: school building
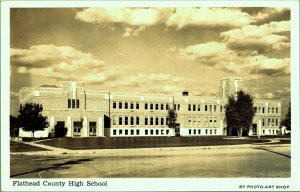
x: 73, y: 111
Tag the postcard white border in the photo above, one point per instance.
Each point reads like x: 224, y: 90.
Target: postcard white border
x: 152, y: 184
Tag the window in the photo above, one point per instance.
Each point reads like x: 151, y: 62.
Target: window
x: 114, y: 105
x: 263, y: 110
x: 263, y: 122
x: 151, y: 120
x: 146, y: 105
x: 215, y: 108
x: 156, y: 106
x: 137, y: 132
x: 162, y: 132
x: 199, y: 108
x: 131, y: 132
x: 276, y: 109
x: 120, y: 120
x: 162, y: 121
x: 210, y: 131
x: 77, y: 128
x: 215, y: 131
x: 205, y: 108
x: 77, y: 103
x: 174, y: 107
x: 167, y: 106
x: 92, y: 126
x: 131, y: 105
x: 189, y: 109
x: 206, y: 131
x: 137, y: 105
x: 221, y: 108
x: 199, y: 131
x: 126, y: 105
x: 146, y: 132
x: 126, y: 132
x: 178, y: 107
x: 161, y: 106
x: 195, y: 121
x: 269, y: 110
x: 269, y: 122
x: 199, y: 121
x: 120, y: 131
x: 258, y: 109
x: 120, y: 104
x: 167, y: 132
x: 137, y: 120
x: 190, y: 131
x: 151, y: 106
x: 156, y: 121
x: 73, y: 103
x: 272, y: 109
x: 126, y: 120
x: 131, y: 121
x: 151, y: 132
x: 210, y: 108
x: 114, y: 120
x: 263, y: 131
x: 190, y: 121
x: 255, y: 109
x: 146, y: 120
x: 114, y: 132
x: 276, y: 122
x: 167, y: 121
x: 194, y: 107
x: 157, y: 132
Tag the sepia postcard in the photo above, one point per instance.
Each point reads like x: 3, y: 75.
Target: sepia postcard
x: 150, y: 96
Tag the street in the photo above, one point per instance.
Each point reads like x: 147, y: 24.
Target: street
x: 263, y: 161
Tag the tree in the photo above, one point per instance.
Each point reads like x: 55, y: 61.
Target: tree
x: 287, y: 121
x: 172, y: 118
x: 13, y: 125
x: 31, y: 118
x: 239, y: 112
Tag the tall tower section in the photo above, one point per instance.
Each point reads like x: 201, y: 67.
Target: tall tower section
x: 229, y: 86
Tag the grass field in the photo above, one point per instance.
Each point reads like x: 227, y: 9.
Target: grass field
x: 21, y: 147
x: 143, y: 142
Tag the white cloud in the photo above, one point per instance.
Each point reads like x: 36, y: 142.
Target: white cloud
x: 129, y: 16
x: 270, y: 12
x: 209, y: 17
x: 60, y: 57
x: 258, y: 37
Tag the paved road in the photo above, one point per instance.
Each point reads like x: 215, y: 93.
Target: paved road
x: 260, y: 161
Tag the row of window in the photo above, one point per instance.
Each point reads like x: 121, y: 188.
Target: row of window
x: 266, y: 109
x: 198, y: 132
x: 270, y: 122
x: 136, y: 120
x: 73, y: 103
x: 137, y: 132
x: 136, y: 105
x: 208, y: 121
x: 210, y: 108
x: 77, y: 127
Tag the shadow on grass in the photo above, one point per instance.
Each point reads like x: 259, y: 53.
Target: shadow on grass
x: 56, y: 166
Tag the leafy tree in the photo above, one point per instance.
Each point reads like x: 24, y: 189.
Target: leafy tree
x: 13, y: 125
x: 287, y: 121
x: 172, y: 118
x: 239, y: 112
x: 31, y: 118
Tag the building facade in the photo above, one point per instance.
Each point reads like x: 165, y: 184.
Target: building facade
x: 73, y: 111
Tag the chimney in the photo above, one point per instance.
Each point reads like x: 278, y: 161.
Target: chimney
x: 185, y: 93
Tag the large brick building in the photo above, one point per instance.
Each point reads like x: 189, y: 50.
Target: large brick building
x: 73, y: 111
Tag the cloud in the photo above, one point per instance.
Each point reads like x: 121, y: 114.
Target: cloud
x: 62, y: 57
x: 208, y: 17
x: 260, y: 38
x: 269, y: 66
x: 63, y: 63
x: 130, y: 31
x: 154, y: 82
x: 129, y: 16
x: 270, y: 12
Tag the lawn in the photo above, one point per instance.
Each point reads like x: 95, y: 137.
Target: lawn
x: 21, y: 147
x: 143, y: 142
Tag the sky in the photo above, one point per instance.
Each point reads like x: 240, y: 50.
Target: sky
x: 161, y: 50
